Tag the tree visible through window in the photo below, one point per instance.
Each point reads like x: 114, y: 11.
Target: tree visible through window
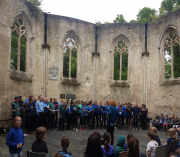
x: 18, y: 46
x: 172, y: 56
x: 70, y: 58
x: 120, y: 61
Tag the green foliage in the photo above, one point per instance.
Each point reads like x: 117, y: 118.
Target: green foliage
x: 23, y: 54
x: 116, y: 66
x: 36, y: 3
x: 66, y: 63
x: 169, y: 4
x: 120, y: 19
x: 73, y: 63
x: 14, y: 51
x: 168, y: 63
x: 98, y: 23
x: 124, y: 66
x: 176, y: 58
x: 133, y: 21
x: 146, y: 15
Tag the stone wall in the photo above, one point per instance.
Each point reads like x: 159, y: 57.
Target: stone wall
x: 146, y: 82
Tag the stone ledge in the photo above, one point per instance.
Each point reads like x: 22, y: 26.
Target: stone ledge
x: 19, y: 76
x: 71, y: 81
x: 171, y: 82
x: 118, y: 83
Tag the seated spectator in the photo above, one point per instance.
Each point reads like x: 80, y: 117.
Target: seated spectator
x: 132, y: 146
x: 120, y: 145
x: 170, y: 122
x: 156, y: 138
x: 172, y: 135
x: 173, y: 154
x: 175, y: 123
x: 57, y: 154
x: 151, y: 146
x: 39, y: 145
x: 128, y: 139
x: 161, y: 122
x: 65, y: 145
x: 165, y: 123
x: 93, y: 148
x: 108, y: 149
x: 99, y: 136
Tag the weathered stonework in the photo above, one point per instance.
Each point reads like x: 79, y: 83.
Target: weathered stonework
x: 146, y: 81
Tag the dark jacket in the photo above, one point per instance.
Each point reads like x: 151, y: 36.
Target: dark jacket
x: 112, y: 115
x: 28, y: 109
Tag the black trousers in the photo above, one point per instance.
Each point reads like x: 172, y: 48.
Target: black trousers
x: 144, y: 120
x: 90, y: 119
x: 45, y: 119
x: 103, y: 122
x: 100, y: 119
x: 97, y: 119
x: 128, y: 119
x: 121, y: 120
x: 75, y: 119
x: 135, y: 121
x: 34, y: 121
x: 84, y: 121
x: 61, y: 123
x: 161, y: 126
x: 28, y: 123
x: 51, y: 117
x: 80, y: 118
x: 40, y: 119
x: 110, y: 129
x: 69, y: 119
x: 56, y: 117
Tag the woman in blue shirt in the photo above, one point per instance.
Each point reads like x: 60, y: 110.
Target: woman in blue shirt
x: 84, y: 114
x: 121, y: 110
x: 90, y: 114
x: 104, y: 114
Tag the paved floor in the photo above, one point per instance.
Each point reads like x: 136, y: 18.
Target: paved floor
x: 78, y: 141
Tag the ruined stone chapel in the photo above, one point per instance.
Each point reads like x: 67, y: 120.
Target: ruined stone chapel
x: 54, y: 55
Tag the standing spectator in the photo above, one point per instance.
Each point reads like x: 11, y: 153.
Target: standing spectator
x: 15, y: 138
x: 84, y: 115
x: 21, y: 105
x: 40, y: 145
x: 112, y: 116
x: 136, y: 112
x: 51, y: 115
x: 29, y: 112
x: 56, y: 112
x: 15, y: 107
x: 161, y: 122
x: 40, y: 111
x: 93, y: 148
x: 151, y: 146
x: 62, y: 114
x: 108, y: 149
x: 120, y: 145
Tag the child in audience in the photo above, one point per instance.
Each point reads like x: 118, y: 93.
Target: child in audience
x: 108, y: 149
x: 120, y: 145
x: 93, y: 148
x: 161, y: 122
x: 165, y: 123
x: 57, y: 155
x: 128, y: 138
x: 15, y: 138
x: 65, y: 145
x: 175, y: 123
x: 172, y: 135
x: 40, y: 145
x: 170, y: 122
x: 151, y: 146
x: 156, y: 138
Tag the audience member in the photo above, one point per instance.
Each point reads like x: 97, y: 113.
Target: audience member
x: 172, y: 135
x: 57, y: 154
x: 161, y: 122
x: 156, y: 138
x: 165, y: 123
x: 120, y: 145
x: 15, y: 138
x: 65, y: 145
x: 40, y: 145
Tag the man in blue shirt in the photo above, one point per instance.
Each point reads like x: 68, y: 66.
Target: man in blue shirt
x: 27, y: 101
x: 40, y: 110
x: 45, y: 112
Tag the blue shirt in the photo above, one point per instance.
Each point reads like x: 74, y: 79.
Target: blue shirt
x: 169, y: 141
x: 112, y: 115
x: 60, y: 105
x: 96, y: 107
x: 27, y: 101
x: 90, y: 108
x: 39, y: 106
x: 34, y: 105
x: 45, y: 105
x: 69, y: 110
x: 14, y: 137
x: 106, y: 109
x: 55, y: 106
x: 84, y: 111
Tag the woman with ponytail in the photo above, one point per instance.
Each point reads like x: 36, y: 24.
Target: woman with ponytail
x: 108, y: 149
x: 132, y: 146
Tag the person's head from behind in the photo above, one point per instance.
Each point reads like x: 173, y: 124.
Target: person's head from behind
x: 107, y: 140
x: 93, y: 148
x: 57, y: 154
x: 40, y: 133
x: 172, y: 133
x: 112, y: 103
x: 150, y: 135
x: 65, y: 143
x: 154, y: 130
x: 173, y: 154
x: 130, y: 137
x: 17, y: 121
x: 98, y: 134
x: 121, y: 141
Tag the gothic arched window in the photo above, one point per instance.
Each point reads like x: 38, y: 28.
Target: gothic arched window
x: 172, y: 56
x: 70, y: 58
x: 18, y: 46
x: 120, y: 61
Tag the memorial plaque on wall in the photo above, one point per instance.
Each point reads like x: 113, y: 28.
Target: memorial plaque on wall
x: 62, y: 96
x: 70, y: 96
